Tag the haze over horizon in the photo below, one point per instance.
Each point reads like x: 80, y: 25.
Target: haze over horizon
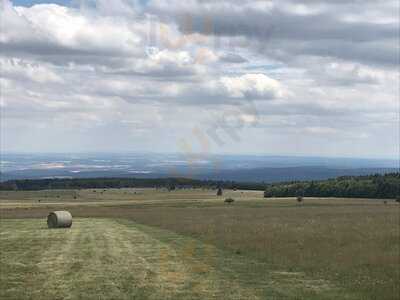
x: 305, y: 78
x: 394, y: 158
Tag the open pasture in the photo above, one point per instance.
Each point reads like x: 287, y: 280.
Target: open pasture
x: 189, y: 244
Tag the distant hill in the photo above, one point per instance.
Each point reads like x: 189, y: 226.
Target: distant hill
x: 244, y: 168
x: 267, y: 175
x: 292, y: 173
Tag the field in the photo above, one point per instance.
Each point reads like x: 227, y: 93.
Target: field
x: 189, y: 244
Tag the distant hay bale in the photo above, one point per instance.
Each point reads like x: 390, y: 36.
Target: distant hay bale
x: 59, y: 219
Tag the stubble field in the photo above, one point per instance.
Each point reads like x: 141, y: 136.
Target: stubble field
x: 189, y: 244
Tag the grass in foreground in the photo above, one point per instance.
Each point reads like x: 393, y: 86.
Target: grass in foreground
x: 350, y: 245
x: 355, y: 247
x: 111, y: 259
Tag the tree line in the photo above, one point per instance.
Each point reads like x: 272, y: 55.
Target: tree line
x: 378, y: 186
x: 372, y: 186
x: 104, y: 183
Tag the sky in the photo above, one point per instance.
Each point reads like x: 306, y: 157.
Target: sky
x: 287, y: 77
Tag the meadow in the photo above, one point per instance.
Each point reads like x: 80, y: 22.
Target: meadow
x: 189, y: 244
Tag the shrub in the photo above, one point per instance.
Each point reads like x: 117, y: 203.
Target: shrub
x: 229, y: 200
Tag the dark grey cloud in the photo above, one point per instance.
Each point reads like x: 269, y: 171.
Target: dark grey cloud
x: 233, y: 58
x: 340, y: 29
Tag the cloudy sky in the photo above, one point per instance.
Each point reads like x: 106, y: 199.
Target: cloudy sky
x: 298, y: 77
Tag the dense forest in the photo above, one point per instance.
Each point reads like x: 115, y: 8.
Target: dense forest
x: 86, y: 183
x: 372, y: 186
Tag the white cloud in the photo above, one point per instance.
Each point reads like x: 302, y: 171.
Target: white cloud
x: 252, y: 86
x: 154, y: 72
x: 52, y: 29
x: 20, y: 69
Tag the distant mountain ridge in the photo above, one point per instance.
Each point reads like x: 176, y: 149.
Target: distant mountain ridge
x: 294, y: 173
x: 267, y: 175
x: 246, y: 168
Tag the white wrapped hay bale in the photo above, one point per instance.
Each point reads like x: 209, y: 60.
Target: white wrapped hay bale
x: 59, y: 219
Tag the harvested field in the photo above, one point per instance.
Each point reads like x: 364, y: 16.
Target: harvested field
x: 191, y: 245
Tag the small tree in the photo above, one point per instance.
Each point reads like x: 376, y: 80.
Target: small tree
x: 219, y: 192
x: 267, y: 194
x: 14, y: 186
x: 300, y: 194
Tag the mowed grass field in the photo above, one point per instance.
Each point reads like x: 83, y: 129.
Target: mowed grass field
x: 189, y: 244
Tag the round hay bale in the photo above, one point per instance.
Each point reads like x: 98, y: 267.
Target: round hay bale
x: 59, y: 219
